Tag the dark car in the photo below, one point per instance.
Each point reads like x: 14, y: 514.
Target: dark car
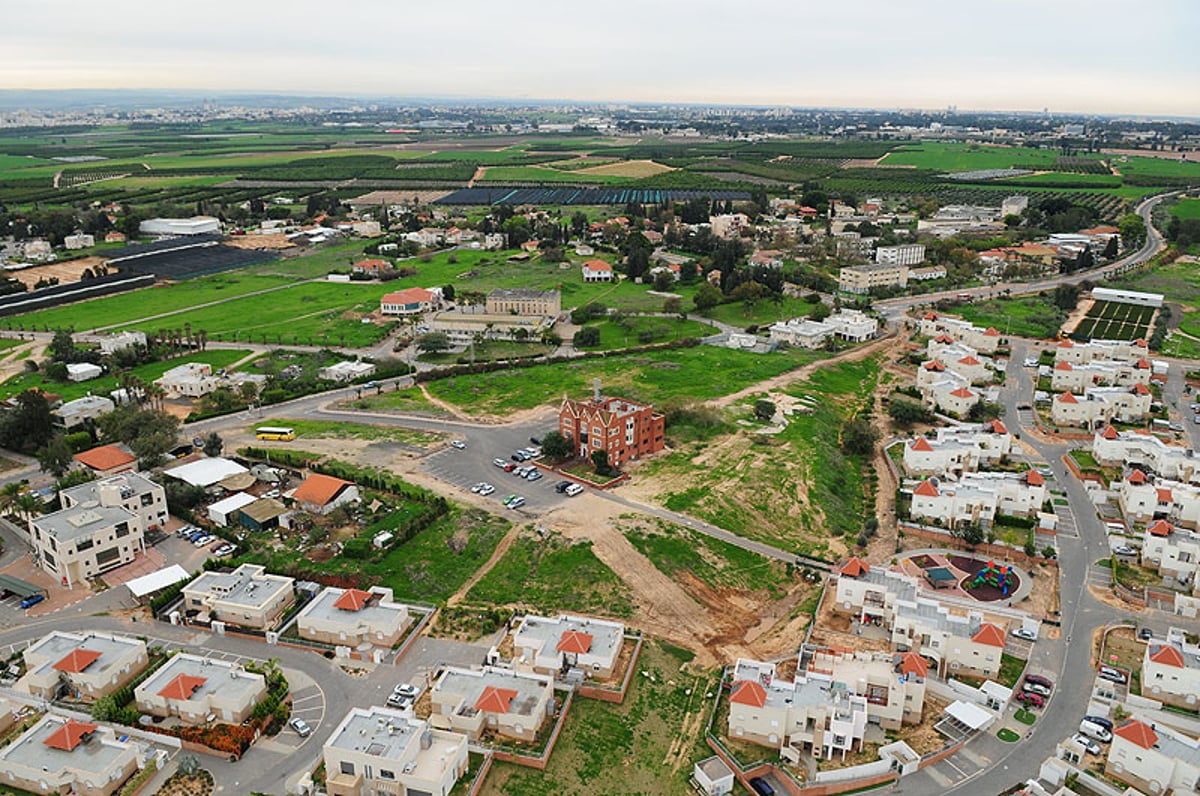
x: 1145, y: 634
x: 762, y: 787
x: 1031, y: 699
x: 1039, y: 680
x: 561, y: 486
x: 1103, y: 722
x: 535, y: 440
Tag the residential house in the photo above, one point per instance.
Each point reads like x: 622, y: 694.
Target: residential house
x: 1171, y: 672
x: 853, y: 325
x: 247, y: 596
x: 1138, y: 448
x: 83, y: 371
x: 1173, y: 551
x: 371, y: 267
x: 767, y: 258
x: 1144, y: 499
x: 189, y: 380
x: 64, y: 755
x: 957, y: 449
x: 983, y: 340
x: 84, y: 541
x: 951, y: 394
x: 728, y: 225
x: 80, y: 412
x: 507, y: 703
x: 132, y: 491
x: 625, y: 430
x: 597, y: 271
x: 978, y: 497
x: 410, y: 301
x: 1101, y: 405
x: 350, y: 617
x: 346, y: 370
x: 119, y: 341
x: 107, y: 460
x: 801, y: 332
x: 194, y: 689
x: 85, y: 665
x: 379, y: 750
x: 321, y: 494
x: 1077, y: 378
x: 1101, y: 350
x: 551, y: 645
x: 1153, y: 758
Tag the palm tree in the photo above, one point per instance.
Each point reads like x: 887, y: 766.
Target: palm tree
x: 9, y: 494
x: 29, y: 505
x: 188, y: 330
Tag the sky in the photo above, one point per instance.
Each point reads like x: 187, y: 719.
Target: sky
x: 1091, y: 56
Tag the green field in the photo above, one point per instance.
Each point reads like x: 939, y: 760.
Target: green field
x: 1115, y: 321
x: 1186, y: 208
x: 545, y: 174
x: 967, y: 157
x: 1028, y: 316
x: 641, y: 330
x: 652, y: 377
x: 217, y: 357
x: 409, y: 400
x: 549, y: 575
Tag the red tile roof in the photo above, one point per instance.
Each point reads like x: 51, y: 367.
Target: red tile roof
x: 969, y: 361
x: 372, y: 265
x: 933, y: 364
x: 991, y: 332
x: 1142, y: 364
x: 1066, y: 344
x: 1137, y: 477
x: 1141, y: 389
x: 1167, y: 655
x: 1063, y: 366
x: 1164, y: 495
x: 575, y: 641
x: 943, y: 338
x: 1159, y: 527
x: 854, y: 567
x: 930, y: 316
x: 319, y: 489
x: 352, y: 600
x: 410, y: 295
x: 1034, y: 478
x: 1138, y: 733
x: 597, y: 265
x: 989, y: 634
x: 1110, y: 433
x: 913, y: 664
x: 1067, y: 398
x: 748, y: 692
x: 69, y: 735
x: 921, y: 444
x: 76, y: 661
x: 963, y: 392
x: 495, y: 700
x: 926, y: 489
x: 998, y: 427
x: 182, y: 687
x: 106, y: 457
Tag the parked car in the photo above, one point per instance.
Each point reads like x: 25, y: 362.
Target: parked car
x: 1097, y: 732
x: 1042, y: 681
x: 561, y: 486
x: 1087, y: 743
x: 499, y: 462
x: 535, y: 475
x: 1031, y: 699
x: 761, y: 787
x: 399, y: 702
x: 1025, y: 633
x: 406, y: 689
x: 487, y: 489
x: 32, y: 600
x: 1031, y: 362
x: 573, y: 490
x: 476, y: 487
x: 535, y: 441
x: 1036, y: 688
x: 1125, y: 550
x: 516, y: 502
x: 509, y: 467
x: 1113, y: 675
x: 194, y: 535
x: 509, y: 499
x: 301, y: 727
x: 204, y: 540
x: 225, y: 550
x: 458, y: 443
x: 1103, y: 722
x: 218, y: 545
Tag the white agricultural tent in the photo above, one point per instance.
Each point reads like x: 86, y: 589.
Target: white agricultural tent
x: 160, y: 579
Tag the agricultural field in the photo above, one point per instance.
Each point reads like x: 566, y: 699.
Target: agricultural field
x: 1186, y: 208
x: 968, y: 157
x: 652, y: 377
x: 1110, y: 320
x: 217, y: 358
x: 652, y: 738
x: 1027, y: 316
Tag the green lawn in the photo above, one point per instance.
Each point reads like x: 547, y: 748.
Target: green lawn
x: 640, y: 330
x: 342, y: 430
x: 1007, y: 735
x: 218, y: 358
x: 409, y: 400
x: 762, y: 313
x: 967, y: 157
x: 1157, y: 167
x: 654, y: 377
x: 1186, y: 208
x: 553, y: 574
x: 1010, y: 670
x: 1025, y: 716
x: 645, y: 746
x: 490, y: 350
x: 1027, y: 316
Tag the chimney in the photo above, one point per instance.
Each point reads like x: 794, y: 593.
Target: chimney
x: 596, y: 390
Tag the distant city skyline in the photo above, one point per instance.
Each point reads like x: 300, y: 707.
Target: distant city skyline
x: 1071, y: 56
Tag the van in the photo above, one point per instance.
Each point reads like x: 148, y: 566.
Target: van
x: 1094, y: 731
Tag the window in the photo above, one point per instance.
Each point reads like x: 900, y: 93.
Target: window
x: 83, y: 544
x: 385, y: 774
x: 122, y: 529
x: 147, y: 499
x: 347, y: 768
x: 107, y: 556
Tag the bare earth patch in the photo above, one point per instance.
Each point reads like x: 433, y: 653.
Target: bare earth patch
x: 628, y: 168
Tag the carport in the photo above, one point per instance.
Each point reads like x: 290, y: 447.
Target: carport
x: 962, y: 719
x: 21, y: 588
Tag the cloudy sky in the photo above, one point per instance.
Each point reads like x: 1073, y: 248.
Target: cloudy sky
x: 1068, y: 55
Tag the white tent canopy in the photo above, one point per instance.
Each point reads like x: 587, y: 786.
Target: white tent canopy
x: 969, y: 715
x: 160, y: 579
x: 205, y: 472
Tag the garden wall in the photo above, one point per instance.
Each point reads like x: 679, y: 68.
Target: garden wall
x: 944, y: 539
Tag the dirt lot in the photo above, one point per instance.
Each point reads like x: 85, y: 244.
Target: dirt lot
x: 65, y: 272
x: 628, y: 168
x: 279, y: 241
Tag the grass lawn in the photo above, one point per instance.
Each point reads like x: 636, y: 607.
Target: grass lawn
x: 1183, y: 347
x: 1186, y: 208
x: 1025, y: 716
x: 408, y: 400
x: 217, y: 357
x: 1010, y: 670
x: 1007, y: 735
x: 1176, y: 281
x: 553, y: 574
x: 646, y: 745
x: 1029, y: 316
x: 640, y: 330
x: 763, y: 313
x: 652, y: 377
x: 337, y: 430
x: 796, y: 489
x: 674, y: 549
x: 490, y: 350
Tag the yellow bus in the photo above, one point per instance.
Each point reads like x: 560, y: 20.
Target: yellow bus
x: 275, y: 432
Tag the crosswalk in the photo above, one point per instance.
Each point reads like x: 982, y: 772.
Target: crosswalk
x: 1067, y: 524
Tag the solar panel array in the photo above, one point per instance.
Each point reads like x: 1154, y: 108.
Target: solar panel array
x: 194, y: 261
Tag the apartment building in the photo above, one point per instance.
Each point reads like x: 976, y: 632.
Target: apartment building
x: 1138, y: 449
x: 377, y: 750
x: 851, y: 325
x: 550, y: 645
x: 1065, y: 376
x: 506, y: 703
x: 1078, y: 353
x: 84, y: 666
x: 1143, y: 499
x: 624, y: 429
x: 958, y: 449
x: 1099, y: 406
x: 350, y: 617
x: 1174, y: 552
x: 247, y: 596
x: 131, y: 491
x: 1153, y: 758
x: 193, y: 688
x: 1171, y: 671
x: 62, y: 755
x: 78, y: 543
x: 950, y: 394
x: 864, y: 278
x: 961, y: 359
x: 904, y: 254
x: 854, y: 326
x: 520, y: 301
x: 728, y: 225
x: 984, y: 340
x: 978, y: 497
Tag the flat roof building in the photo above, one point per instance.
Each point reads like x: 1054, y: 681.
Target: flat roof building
x: 248, y: 596
x: 194, y: 688
x: 352, y: 617
x: 545, y: 645
x: 84, y: 541
x: 502, y: 701
x: 378, y: 750
x: 522, y: 301
x: 86, y: 666
x: 62, y: 755
x: 133, y: 492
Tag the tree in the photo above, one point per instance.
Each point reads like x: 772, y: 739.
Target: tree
x: 858, y: 438
x: 1030, y: 544
x: 600, y: 461
x: 707, y: 297
x: 907, y: 413
x: 1133, y: 230
x: 62, y: 347
x: 586, y: 337
x: 764, y: 409
x: 557, y: 445
x: 213, y: 445
x: 433, y: 342
x: 1066, y: 297
x: 971, y: 534
x: 55, y: 456
x: 664, y: 281
x: 673, y: 305
x: 29, y: 426
x: 579, y: 222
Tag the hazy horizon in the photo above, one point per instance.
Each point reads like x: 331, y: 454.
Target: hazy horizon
x: 1069, y: 56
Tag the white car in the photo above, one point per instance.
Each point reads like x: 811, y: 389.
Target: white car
x: 1091, y: 746
x: 458, y: 443
x: 476, y: 487
x: 500, y: 462
x: 486, y: 489
x: 573, y: 490
x: 1113, y: 675
x: 204, y: 540
x: 1025, y: 633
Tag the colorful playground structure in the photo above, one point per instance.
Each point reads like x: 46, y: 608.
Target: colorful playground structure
x: 996, y: 575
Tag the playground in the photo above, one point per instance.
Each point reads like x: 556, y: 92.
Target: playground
x: 982, y: 579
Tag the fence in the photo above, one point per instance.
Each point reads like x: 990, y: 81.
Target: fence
x: 608, y: 694
x: 541, y: 760
x: 944, y: 539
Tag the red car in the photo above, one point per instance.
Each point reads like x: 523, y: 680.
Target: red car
x: 1031, y: 699
x: 218, y: 546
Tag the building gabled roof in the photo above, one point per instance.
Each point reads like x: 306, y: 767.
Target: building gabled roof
x: 998, y: 427
x: 1137, y: 477
x: 921, y: 444
x: 1142, y: 364
x: 597, y: 265
x: 353, y: 600
x: 105, y: 457
x: 927, y: 489
x: 1068, y: 398
x: 1110, y: 433
x: 1164, y: 495
x: 495, y: 700
x: 969, y: 361
x: 1141, y: 389
x: 1137, y: 732
x: 411, y: 295
x: 989, y: 634
x: 319, y: 489
x: 372, y: 265
x: 574, y: 641
x: 962, y: 392
x: 991, y: 332
x: 1063, y: 366
x: 943, y: 338
x: 854, y: 567
x: 1034, y: 478
x: 930, y: 316
x: 748, y: 692
x: 69, y: 735
x: 1066, y: 344
x: 76, y: 661
x: 182, y: 687
x: 911, y: 663
x: 1159, y: 527
x: 1167, y: 655
x: 933, y: 364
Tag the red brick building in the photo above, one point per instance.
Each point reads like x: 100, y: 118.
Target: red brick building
x: 625, y: 429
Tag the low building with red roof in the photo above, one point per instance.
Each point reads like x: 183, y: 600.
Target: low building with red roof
x: 193, y: 688
x: 1171, y: 671
x: 410, y: 301
x: 352, y: 617
x: 64, y: 755
x: 92, y: 665
x: 321, y: 494
x: 597, y: 271
x: 106, y: 460
x: 1153, y: 758
x: 500, y: 702
x: 546, y: 645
